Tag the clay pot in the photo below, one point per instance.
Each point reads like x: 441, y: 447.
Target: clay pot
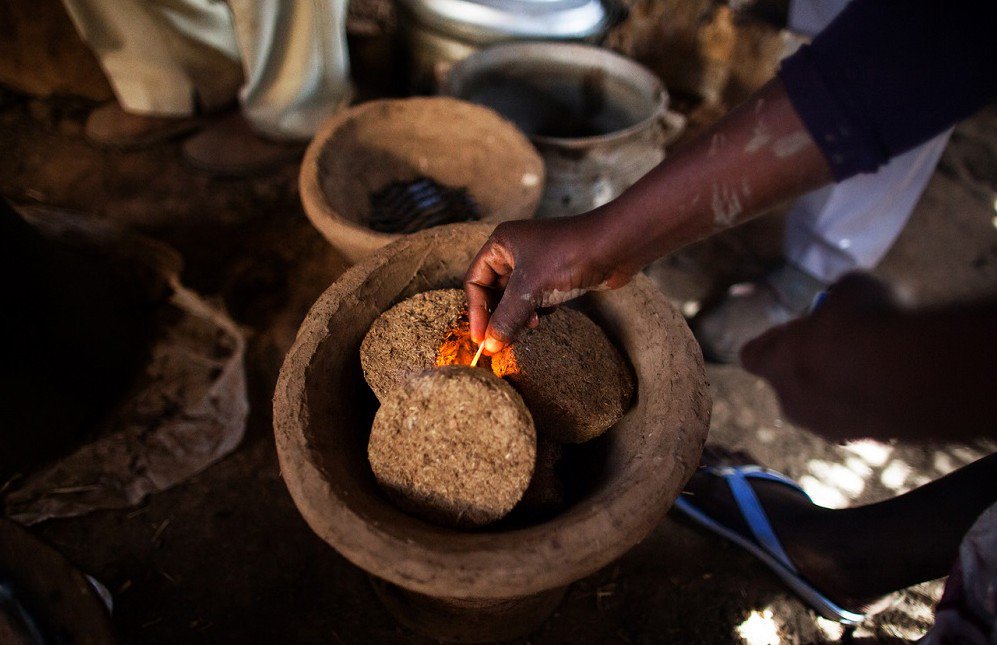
x: 503, y: 580
x: 456, y: 144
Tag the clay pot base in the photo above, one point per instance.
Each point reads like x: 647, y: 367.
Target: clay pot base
x: 455, y: 445
x: 457, y: 620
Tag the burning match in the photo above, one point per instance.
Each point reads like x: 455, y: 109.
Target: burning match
x: 477, y: 355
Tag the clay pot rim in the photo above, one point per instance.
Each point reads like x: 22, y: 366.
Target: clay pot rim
x: 355, y: 240
x: 313, y: 198
x: 485, y: 565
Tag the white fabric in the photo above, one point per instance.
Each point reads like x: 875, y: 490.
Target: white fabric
x: 296, y: 63
x: 180, y: 57
x: 164, y: 58
x: 851, y: 225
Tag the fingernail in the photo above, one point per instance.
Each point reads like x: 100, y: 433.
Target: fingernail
x: 492, y: 345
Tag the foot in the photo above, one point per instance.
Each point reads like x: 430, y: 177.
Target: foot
x: 813, y: 539
x: 110, y: 126
x: 232, y: 148
x: 750, y: 309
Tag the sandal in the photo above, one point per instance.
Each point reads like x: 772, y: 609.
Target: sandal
x: 763, y: 543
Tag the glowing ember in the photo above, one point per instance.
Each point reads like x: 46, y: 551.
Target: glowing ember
x: 458, y: 349
x: 504, y: 364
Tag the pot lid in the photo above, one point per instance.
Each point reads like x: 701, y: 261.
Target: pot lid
x: 488, y: 21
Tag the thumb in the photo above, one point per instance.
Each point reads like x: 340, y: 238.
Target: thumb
x: 511, y: 315
x: 757, y: 356
x: 861, y: 292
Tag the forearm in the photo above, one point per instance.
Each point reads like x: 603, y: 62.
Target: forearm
x: 758, y: 156
x: 861, y: 366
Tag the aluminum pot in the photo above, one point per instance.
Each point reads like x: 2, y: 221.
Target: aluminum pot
x: 599, y: 120
x: 438, y: 33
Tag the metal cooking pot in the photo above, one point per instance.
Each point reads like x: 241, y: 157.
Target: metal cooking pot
x: 439, y: 33
x: 600, y: 120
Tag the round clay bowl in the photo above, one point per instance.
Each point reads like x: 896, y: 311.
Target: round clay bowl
x: 457, y: 144
x: 322, y: 417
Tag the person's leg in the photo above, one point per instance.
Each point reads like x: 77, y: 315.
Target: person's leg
x: 166, y: 61
x: 162, y: 58
x: 297, y: 75
x: 830, y: 232
x: 296, y: 62
x: 856, y: 555
x: 850, y: 226
x: 840, y: 228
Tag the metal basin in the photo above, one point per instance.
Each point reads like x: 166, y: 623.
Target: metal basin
x: 599, y: 120
x: 439, y: 33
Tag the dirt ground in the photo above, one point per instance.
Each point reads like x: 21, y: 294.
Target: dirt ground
x: 226, y: 557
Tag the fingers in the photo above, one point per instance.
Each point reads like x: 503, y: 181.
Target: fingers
x: 756, y: 354
x: 771, y: 355
x: 513, y: 312
x: 479, y: 307
x: 483, y: 283
x: 861, y: 292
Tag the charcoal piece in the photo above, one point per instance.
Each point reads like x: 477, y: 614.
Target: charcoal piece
x: 410, y: 206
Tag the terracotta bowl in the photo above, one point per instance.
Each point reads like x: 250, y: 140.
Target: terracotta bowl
x: 501, y: 581
x: 454, y: 143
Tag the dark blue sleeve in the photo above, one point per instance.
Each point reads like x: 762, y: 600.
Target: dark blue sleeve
x: 887, y: 75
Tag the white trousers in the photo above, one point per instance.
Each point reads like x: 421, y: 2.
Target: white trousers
x: 851, y: 225
x: 285, y: 60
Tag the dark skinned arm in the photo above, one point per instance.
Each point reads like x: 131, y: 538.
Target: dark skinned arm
x: 863, y: 366
x: 759, y: 155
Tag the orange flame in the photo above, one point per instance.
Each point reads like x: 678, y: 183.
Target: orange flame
x: 457, y: 348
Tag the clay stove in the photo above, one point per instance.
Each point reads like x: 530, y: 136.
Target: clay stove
x: 501, y: 581
x: 457, y: 145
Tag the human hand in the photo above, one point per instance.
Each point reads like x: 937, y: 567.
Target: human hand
x: 838, y: 371
x: 528, y: 265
